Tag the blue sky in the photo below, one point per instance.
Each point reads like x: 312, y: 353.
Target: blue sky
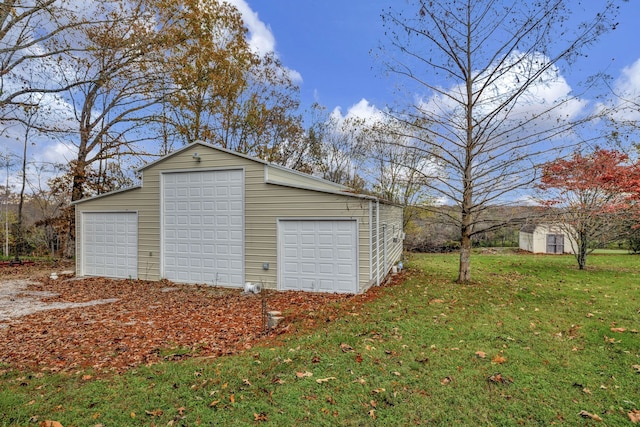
x: 327, y: 46
x: 329, y: 43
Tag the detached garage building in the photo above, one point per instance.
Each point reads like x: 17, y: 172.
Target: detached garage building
x: 207, y: 215
x: 546, y: 239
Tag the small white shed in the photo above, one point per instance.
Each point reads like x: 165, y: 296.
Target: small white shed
x: 207, y: 215
x: 546, y: 239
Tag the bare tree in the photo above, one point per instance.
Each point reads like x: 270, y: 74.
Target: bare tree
x: 32, y: 35
x: 495, y: 119
x: 113, y: 87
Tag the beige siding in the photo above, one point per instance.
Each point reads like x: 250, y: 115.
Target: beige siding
x: 266, y: 203
x: 134, y: 200
x: 391, y: 221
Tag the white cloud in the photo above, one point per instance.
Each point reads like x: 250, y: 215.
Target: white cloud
x: 624, y: 104
x: 362, y: 110
x: 261, y: 38
x: 549, y: 97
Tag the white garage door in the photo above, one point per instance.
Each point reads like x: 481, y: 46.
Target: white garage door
x: 203, y: 227
x: 110, y: 244
x: 318, y: 255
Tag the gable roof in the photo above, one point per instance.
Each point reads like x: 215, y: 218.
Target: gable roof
x: 324, y: 182
x: 321, y: 185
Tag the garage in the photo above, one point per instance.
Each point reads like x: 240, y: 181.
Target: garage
x: 203, y: 227
x: 318, y: 255
x: 110, y: 244
x: 206, y: 215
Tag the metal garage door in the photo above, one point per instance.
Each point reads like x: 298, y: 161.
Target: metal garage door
x: 203, y: 227
x: 318, y: 255
x: 110, y: 244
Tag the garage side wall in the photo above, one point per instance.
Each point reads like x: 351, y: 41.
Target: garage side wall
x: 266, y: 204
x: 389, y: 242
x: 134, y: 200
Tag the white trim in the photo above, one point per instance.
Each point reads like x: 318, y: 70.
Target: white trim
x: 98, y: 196
x: 378, y: 280
x: 370, y: 242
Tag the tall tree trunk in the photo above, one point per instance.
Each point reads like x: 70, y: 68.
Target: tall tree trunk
x: 581, y: 256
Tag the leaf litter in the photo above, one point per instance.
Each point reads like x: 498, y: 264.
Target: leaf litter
x: 109, y: 324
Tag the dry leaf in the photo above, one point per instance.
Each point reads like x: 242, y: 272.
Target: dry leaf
x: 378, y: 390
x: 304, y: 374
x: 446, y: 380
x: 214, y: 403
x: 260, y: 417
x: 481, y: 354
x: 358, y: 358
x: 618, y: 330
x: 346, y: 347
x: 634, y: 416
x: 49, y: 423
x: 155, y: 413
x: 499, y: 379
x: 499, y: 359
x: 585, y: 414
x: 325, y: 380
x: 372, y: 413
x: 232, y: 398
x: 637, y: 368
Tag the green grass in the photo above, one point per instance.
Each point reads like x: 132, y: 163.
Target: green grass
x: 411, y: 357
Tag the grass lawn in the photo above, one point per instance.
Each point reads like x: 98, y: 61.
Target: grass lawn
x: 533, y: 341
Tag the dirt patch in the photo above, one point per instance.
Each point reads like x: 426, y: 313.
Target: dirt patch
x: 17, y: 301
x: 110, y: 324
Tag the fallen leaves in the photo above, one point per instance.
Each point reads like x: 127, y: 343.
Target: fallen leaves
x: 498, y: 378
x: 634, y: 416
x: 144, y: 326
x: 345, y: 347
x: 585, y: 414
x: 304, y: 374
x: 498, y: 359
x: 325, y: 380
x: 446, y: 380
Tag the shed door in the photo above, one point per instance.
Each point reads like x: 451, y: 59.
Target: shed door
x: 555, y: 243
x: 203, y: 226
x: 110, y: 244
x: 318, y: 255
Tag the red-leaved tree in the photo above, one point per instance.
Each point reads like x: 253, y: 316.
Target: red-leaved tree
x: 588, y: 196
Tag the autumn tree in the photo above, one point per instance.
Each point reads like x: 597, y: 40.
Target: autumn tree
x: 218, y: 89
x: 113, y: 86
x: 487, y: 92
x: 585, y: 198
